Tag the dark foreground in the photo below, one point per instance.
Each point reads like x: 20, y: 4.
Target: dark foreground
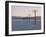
x: 25, y: 24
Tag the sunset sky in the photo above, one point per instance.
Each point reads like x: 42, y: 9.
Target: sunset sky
x: 24, y: 11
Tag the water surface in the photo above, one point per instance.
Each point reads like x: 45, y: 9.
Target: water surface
x: 25, y: 24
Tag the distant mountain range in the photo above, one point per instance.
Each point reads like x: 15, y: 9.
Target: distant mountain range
x: 16, y: 17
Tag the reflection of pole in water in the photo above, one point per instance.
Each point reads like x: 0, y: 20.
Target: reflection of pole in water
x: 35, y: 16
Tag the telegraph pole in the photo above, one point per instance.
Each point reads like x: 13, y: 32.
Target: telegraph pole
x: 29, y: 18
x: 35, y: 16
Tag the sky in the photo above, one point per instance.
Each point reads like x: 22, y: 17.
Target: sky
x: 24, y: 11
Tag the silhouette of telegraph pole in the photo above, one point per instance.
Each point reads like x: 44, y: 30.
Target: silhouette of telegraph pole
x: 35, y: 15
x: 29, y: 18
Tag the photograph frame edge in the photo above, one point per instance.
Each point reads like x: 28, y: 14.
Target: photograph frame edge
x: 7, y: 18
